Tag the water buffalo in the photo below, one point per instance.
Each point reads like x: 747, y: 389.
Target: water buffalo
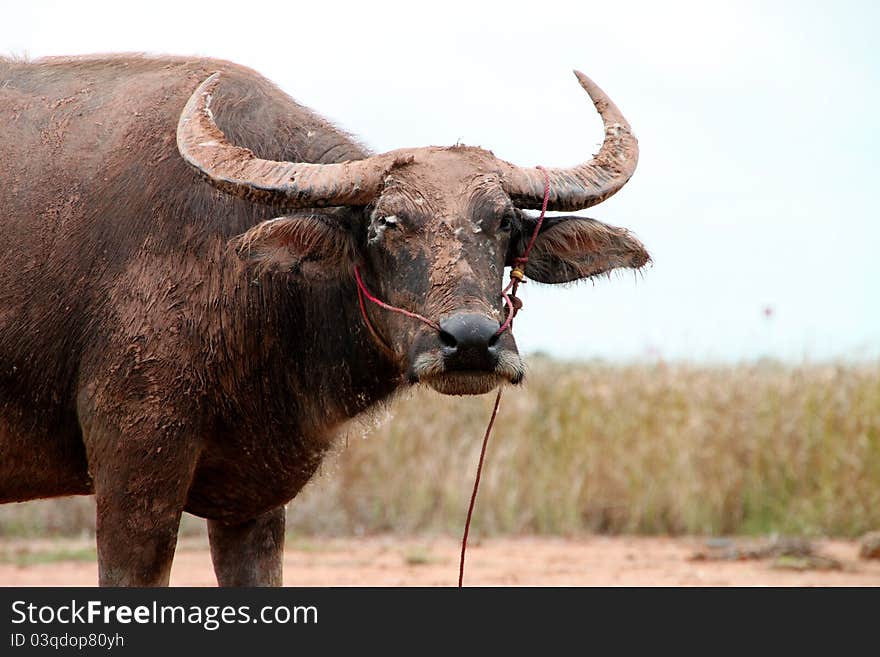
x: 179, y: 319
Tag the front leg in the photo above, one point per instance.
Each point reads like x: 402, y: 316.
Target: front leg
x: 141, y: 478
x: 248, y: 553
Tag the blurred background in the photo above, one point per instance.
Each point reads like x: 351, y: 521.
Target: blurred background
x: 733, y: 386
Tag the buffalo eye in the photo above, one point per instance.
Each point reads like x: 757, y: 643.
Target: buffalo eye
x: 506, y: 223
x: 379, y: 225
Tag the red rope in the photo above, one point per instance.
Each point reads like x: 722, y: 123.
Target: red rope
x: 524, y: 258
x: 517, y: 276
x: 509, y: 294
x: 362, y: 289
x: 517, y: 273
x: 470, y: 513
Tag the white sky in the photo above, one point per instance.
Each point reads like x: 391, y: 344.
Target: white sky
x: 757, y: 123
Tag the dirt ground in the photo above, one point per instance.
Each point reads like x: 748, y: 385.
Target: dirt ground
x: 395, y: 561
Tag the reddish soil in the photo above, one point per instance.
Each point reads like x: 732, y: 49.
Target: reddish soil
x: 394, y: 561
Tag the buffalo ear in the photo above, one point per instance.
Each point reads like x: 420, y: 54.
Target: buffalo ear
x: 316, y: 245
x: 570, y: 248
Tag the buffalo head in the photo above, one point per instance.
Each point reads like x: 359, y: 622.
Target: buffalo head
x: 432, y: 230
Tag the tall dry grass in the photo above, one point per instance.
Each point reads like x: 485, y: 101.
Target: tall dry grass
x: 600, y: 448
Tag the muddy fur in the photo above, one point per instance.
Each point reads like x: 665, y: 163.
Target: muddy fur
x: 316, y: 246
x: 140, y: 358
x: 168, y: 347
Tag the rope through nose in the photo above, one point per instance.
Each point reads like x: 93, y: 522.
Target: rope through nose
x: 362, y: 290
x: 517, y: 276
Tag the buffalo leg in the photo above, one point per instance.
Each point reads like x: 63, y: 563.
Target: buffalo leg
x: 249, y: 553
x: 141, y: 481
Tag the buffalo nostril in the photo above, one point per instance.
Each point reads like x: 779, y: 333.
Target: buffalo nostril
x: 448, y: 339
x: 469, y: 340
x: 469, y: 332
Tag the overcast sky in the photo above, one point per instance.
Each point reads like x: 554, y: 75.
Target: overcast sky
x: 757, y: 122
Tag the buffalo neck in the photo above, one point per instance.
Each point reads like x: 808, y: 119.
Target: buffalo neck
x: 299, y: 353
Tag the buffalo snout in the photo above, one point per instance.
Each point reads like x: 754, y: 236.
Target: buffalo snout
x: 469, y: 342
x: 467, y: 356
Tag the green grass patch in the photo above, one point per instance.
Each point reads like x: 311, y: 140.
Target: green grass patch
x: 418, y: 556
x: 23, y: 556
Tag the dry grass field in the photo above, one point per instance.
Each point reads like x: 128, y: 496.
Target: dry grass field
x: 593, y: 448
x: 596, y: 474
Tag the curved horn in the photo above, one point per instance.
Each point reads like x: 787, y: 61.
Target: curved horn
x: 586, y: 184
x: 239, y: 172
